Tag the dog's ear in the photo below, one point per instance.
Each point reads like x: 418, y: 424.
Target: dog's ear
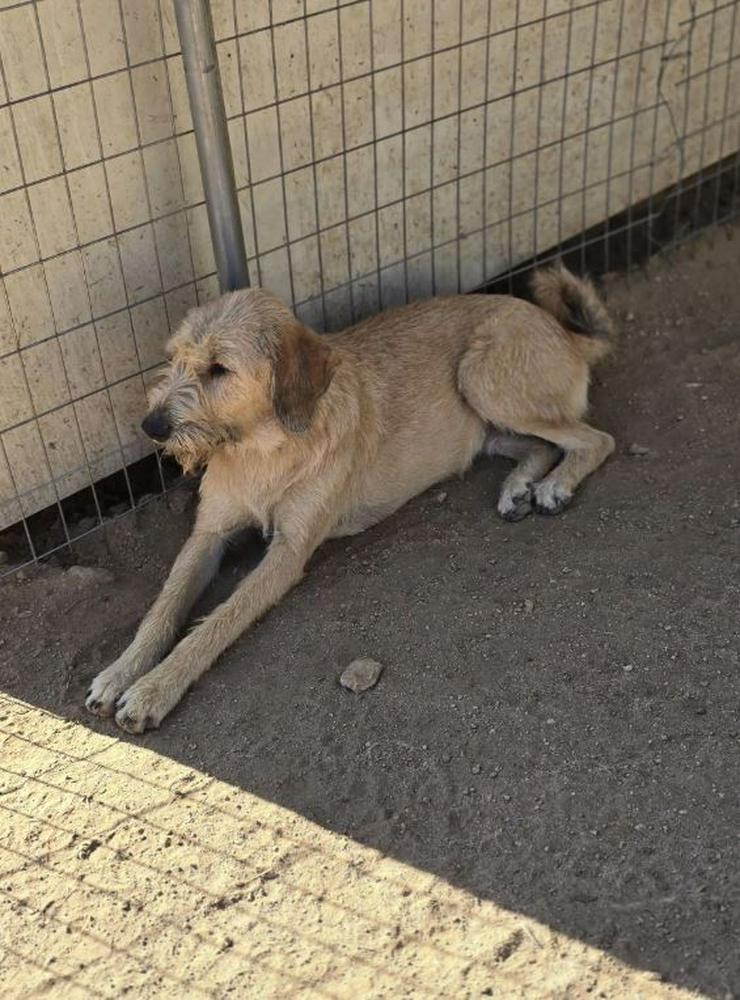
x: 304, y: 365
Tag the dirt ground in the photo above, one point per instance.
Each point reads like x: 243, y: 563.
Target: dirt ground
x: 538, y: 799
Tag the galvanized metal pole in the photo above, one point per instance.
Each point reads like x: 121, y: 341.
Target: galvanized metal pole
x: 195, y: 27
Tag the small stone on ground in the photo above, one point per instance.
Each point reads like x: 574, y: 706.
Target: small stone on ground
x: 89, y: 575
x: 361, y: 675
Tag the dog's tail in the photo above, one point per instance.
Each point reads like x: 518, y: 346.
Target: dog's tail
x: 575, y: 304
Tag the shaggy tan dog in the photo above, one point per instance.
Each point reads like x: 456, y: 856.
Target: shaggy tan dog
x: 312, y: 437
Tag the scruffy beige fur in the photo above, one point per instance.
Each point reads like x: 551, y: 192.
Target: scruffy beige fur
x: 312, y: 437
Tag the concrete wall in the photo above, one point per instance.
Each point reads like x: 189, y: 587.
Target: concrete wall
x: 378, y: 157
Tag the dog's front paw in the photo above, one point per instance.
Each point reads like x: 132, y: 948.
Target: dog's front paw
x: 550, y: 497
x: 107, y: 687
x: 143, y: 706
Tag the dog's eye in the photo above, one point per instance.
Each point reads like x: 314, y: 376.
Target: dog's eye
x: 216, y: 370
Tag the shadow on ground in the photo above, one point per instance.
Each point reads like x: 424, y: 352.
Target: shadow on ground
x: 556, y: 727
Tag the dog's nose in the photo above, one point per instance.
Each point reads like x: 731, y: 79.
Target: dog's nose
x: 157, y: 425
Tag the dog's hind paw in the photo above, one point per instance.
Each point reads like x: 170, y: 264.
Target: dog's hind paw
x: 550, y: 497
x: 515, y: 506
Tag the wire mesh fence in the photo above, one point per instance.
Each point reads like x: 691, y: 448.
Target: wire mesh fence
x: 384, y: 150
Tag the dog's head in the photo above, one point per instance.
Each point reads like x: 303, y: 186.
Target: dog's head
x: 237, y: 367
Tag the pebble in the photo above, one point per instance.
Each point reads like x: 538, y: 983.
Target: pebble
x: 89, y: 575
x: 179, y: 500
x: 630, y: 317
x: 529, y: 606
x: 638, y: 451
x: 441, y: 497
x: 361, y: 675
x: 628, y: 667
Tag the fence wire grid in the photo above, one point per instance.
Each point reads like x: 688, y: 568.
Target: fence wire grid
x: 384, y: 150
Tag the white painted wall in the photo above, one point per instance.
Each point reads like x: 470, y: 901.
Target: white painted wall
x: 377, y: 156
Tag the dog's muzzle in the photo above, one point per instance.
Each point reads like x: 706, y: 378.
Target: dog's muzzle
x: 157, y: 425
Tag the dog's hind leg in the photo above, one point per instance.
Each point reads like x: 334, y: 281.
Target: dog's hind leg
x: 534, y: 383
x: 585, y: 449
x: 534, y: 459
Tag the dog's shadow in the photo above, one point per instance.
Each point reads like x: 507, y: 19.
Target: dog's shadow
x: 244, y: 551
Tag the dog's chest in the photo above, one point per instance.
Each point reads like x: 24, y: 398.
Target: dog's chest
x: 245, y: 490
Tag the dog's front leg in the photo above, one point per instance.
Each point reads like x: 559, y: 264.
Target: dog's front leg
x: 147, y: 702
x: 192, y: 571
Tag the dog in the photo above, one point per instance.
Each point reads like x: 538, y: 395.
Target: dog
x: 312, y: 437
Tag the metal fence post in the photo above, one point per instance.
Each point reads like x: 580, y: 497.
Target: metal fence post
x: 195, y: 28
